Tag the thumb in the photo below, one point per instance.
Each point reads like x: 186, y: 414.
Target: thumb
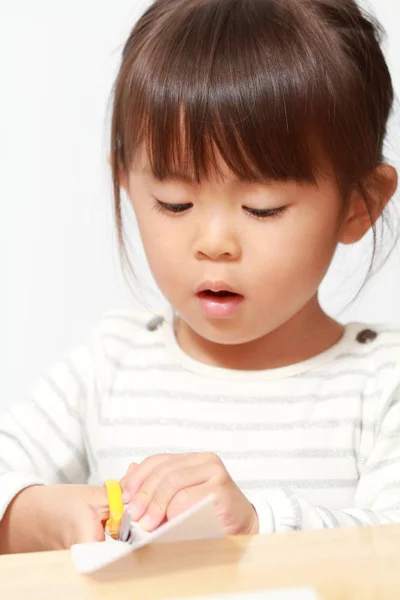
x: 89, y: 527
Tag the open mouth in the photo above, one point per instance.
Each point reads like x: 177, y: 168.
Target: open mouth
x: 221, y: 304
x: 221, y: 294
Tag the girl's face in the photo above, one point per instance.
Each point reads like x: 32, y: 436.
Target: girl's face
x: 271, y: 244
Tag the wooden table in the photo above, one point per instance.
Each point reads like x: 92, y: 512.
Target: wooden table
x: 341, y: 564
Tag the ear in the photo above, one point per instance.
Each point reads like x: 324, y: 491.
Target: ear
x: 380, y: 185
x: 123, y: 180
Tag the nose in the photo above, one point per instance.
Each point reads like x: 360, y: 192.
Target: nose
x: 217, y: 241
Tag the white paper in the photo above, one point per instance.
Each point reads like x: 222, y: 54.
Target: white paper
x: 198, y: 522
x: 284, y: 594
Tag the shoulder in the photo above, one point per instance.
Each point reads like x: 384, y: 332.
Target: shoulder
x: 125, y: 336
x: 132, y: 324
x: 375, y: 349
x: 375, y: 342
x: 126, y: 329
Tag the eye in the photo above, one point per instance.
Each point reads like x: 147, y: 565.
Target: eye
x: 171, y: 208
x: 265, y: 213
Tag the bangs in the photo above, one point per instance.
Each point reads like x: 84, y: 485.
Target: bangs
x: 221, y: 84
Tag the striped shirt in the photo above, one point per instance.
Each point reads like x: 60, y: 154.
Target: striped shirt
x: 312, y: 445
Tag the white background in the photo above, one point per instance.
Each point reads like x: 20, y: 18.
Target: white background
x: 59, y: 263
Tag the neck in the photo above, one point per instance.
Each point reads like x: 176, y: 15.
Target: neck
x: 307, y: 334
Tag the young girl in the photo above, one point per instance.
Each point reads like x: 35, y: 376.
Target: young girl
x: 248, y: 137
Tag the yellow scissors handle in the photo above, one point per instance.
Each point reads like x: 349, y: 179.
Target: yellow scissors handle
x: 114, y: 495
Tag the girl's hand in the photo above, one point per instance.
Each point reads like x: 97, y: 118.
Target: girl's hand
x: 165, y: 485
x: 53, y: 517
x: 88, y: 511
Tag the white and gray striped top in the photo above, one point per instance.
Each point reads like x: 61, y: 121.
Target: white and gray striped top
x: 312, y: 445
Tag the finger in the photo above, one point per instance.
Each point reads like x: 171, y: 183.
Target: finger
x: 154, y: 479
x: 163, y: 489
x: 203, y: 466
x: 141, y: 500
x: 124, y: 482
x: 137, y: 473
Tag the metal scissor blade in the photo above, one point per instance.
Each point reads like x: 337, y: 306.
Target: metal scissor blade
x: 125, y: 529
x: 130, y: 531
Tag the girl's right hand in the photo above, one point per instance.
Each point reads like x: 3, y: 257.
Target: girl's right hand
x: 53, y: 517
x: 87, y: 510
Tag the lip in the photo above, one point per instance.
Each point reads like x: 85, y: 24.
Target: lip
x: 216, y: 286
x: 218, y: 307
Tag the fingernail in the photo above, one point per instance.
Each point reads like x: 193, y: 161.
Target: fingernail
x: 146, y: 523
x: 125, y: 497
x: 134, y: 511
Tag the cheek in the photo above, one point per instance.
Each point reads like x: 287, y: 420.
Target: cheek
x: 155, y: 239
x: 162, y: 251
x: 299, y: 250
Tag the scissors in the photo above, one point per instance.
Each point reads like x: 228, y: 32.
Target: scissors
x: 119, y: 525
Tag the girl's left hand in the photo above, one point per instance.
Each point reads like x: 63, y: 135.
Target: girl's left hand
x: 165, y: 485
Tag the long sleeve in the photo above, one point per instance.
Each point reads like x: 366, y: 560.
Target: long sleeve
x: 42, y: 438
x: 377, y: 498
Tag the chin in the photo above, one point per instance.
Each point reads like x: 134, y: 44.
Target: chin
x: 229, y: 332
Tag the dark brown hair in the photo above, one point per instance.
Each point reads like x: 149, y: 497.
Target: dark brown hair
x: 271, y: 86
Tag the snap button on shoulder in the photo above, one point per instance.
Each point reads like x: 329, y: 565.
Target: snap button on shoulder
x: 155, y: 323
x: 366, y: 336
